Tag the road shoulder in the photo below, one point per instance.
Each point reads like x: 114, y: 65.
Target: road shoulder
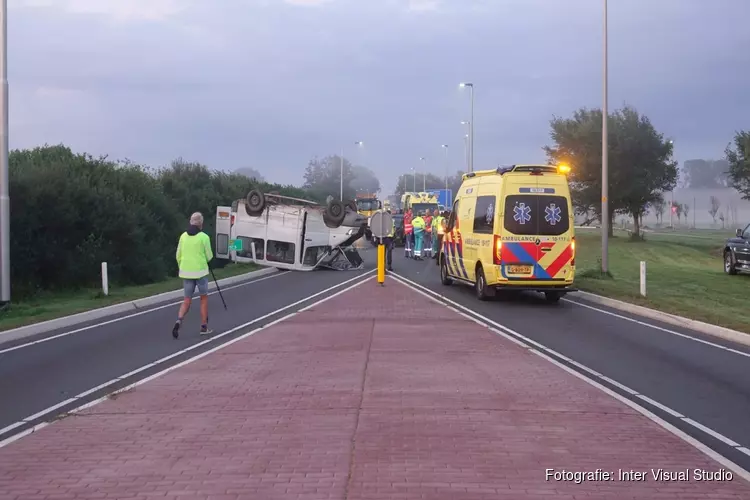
x: 120, y: 308
x: 664, y: 317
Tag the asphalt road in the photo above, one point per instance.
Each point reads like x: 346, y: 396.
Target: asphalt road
x: 677, y: 372
x: 700, y: 381
x: 37, y: 376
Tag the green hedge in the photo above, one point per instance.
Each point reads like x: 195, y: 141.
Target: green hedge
x: 70, y: 212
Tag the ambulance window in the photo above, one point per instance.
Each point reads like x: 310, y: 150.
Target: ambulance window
x: 553, y: 215
x: 484, y: 215
x: 452, y: 218
x: 536, y: 215
x: 521, y: 214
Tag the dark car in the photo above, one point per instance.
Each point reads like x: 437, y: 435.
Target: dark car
x: 737, y: 252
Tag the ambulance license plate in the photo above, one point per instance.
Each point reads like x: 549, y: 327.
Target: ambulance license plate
x: 518, y: 269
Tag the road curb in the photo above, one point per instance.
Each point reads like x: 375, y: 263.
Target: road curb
x: 672, y: 319
x: 101, y: 312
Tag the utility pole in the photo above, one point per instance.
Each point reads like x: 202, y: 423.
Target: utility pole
x: 341, y: 189
x: 424, y: 173
x: 605, y: 158
x: 447, y: 163
x: 4, y: 192
x: 471, y: 126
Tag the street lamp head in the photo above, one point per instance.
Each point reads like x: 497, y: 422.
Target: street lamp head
x: 443, y: 145
x: 465, y: 84
x: 359, y: 143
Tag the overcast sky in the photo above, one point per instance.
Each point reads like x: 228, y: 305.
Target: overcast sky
x: 269, y: 84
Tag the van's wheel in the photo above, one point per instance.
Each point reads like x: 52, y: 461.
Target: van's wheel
x: 444, y: 278
x: 335, y: 213
x: 255, y: 202
x: 729, y: 266
x: 553, y: 297
x: 480, y: 286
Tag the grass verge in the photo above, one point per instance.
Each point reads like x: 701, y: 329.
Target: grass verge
x: 48, y: 306
x: 684, y: 276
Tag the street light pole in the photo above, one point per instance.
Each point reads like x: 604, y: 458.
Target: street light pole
x: 471, y: 127
x: 414, y: 187
x: 466, y: 146
x: 341, y: 189
x: 605, y: 157
x: 424, y: 173
x: 4, y: 192
x: 445, y: 147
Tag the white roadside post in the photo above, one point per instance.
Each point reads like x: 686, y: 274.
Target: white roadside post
x: 105, y: 279
x: 643, y: 278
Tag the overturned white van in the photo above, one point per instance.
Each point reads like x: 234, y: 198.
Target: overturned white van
x: 289, y: 233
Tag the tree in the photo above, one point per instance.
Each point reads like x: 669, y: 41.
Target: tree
x: 715, y: 204
x: 738, y: 158
x: 732, y: 212
x: 705, y: 173
x: 70, y: 212
x: 678, y: 208
x: 419, y: 182
x: 408, y: 182
x: 660, y: 205
x: 323, y: 178
x: 640, y: 161
x: 364, y: 180
x: 250, y: 173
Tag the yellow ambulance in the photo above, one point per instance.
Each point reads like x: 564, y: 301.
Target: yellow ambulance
x: 512, y: 229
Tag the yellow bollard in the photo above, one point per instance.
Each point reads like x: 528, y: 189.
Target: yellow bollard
x: 381, y: 263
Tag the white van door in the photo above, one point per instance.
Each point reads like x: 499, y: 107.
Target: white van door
x: 223, y: 230
x: 316, y: 236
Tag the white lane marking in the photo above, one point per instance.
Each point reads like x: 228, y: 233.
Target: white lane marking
x: 539, y: 349
x: 660, y: 328
x: 362, y: 277
x: 145, y: 311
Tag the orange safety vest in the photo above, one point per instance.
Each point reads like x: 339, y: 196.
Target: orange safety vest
x: 428, y: 223
x: 408, y: 227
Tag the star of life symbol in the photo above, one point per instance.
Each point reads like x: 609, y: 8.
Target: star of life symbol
x: 490, y: 213
x: 522, y: 213
x: 552, y: 214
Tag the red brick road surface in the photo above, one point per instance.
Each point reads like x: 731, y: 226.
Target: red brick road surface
x: 376, y: 394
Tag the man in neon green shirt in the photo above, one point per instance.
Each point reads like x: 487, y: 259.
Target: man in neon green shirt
x: 193, y: 255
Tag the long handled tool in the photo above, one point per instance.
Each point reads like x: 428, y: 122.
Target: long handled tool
x: 217, y: 287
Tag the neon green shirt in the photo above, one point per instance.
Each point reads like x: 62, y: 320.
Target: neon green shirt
x: 193, y: 255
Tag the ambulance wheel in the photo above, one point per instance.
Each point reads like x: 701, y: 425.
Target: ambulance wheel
x: 553, y: 297
x: 480, y: 287
x: 335, y: 212
x: 255, y: 202
x: 444, y: 278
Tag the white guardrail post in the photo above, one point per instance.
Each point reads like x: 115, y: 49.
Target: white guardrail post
x: 105, y: 279
x: 643, y: 278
